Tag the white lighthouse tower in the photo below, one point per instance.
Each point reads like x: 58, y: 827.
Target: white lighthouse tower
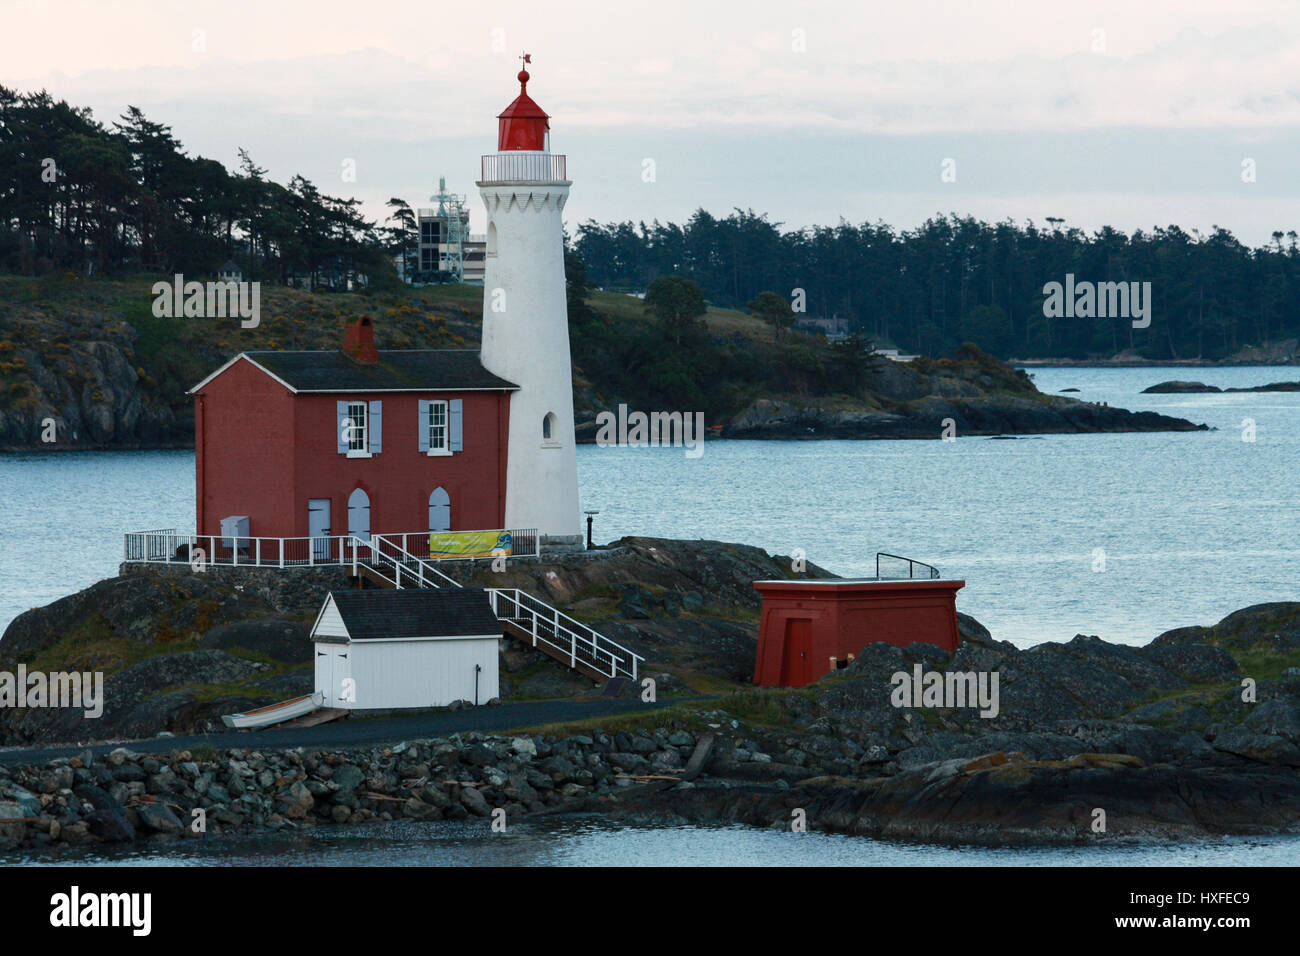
x: 525, y: 319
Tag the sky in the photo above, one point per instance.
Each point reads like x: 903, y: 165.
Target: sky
x: 1130, y: 114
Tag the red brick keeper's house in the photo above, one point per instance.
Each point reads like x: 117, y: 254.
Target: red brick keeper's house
x: 354, y: 441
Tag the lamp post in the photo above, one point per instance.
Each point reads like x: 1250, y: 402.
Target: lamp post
x: 590, y: 515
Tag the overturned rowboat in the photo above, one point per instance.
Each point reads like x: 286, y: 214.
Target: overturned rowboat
x: 274, y: 713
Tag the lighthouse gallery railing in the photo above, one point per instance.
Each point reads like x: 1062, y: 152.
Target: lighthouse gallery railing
x: 524, y: 166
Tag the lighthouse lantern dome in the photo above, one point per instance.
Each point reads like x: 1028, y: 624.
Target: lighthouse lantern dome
x: 523, y: 124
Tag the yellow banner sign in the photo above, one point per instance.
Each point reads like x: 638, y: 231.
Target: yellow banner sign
x: 469, y: 544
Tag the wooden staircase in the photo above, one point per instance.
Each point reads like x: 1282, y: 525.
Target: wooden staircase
x: 521, y: 615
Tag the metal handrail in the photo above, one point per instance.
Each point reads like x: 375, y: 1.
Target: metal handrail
x: 911, y: 562
x: 169, y: 547
x: 163, y: 546
x: 524, y: 166
x: 420, y: 563
x: 595, y: 645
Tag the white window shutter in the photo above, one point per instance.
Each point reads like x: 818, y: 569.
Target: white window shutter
x: 455, y: 415
x: 339, y: 435
x: 424, y: 425
x: 376, y: 427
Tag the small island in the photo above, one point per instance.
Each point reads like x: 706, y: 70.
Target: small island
x: 1193, y: 735
x: 1176, y: 387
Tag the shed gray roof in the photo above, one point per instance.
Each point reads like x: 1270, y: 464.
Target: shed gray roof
x: 416, y: 612
x: 398, y: 370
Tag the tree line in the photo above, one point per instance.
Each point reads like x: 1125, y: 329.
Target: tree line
x: 957, y: 279
x: 126, y: 197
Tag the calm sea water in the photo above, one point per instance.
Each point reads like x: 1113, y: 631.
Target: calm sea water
x: 1191, y: 525
x: 593, y: 842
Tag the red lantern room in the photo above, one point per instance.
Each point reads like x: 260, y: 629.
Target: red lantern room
x: 524, y: 125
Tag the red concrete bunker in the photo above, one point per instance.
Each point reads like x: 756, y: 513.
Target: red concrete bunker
x: 810, y: 628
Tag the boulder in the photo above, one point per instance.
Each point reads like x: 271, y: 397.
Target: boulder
x: 159, y: 818
x: 110, y: 826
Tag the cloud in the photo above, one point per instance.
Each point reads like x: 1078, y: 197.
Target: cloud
x: 736, y: 111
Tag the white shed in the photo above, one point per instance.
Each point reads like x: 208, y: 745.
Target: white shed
x: 415, y: 647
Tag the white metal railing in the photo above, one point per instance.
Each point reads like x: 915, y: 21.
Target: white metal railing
x: 167, y: 546
x: 550, y: 626
x: 419, y: 572
x: 171, y: 547
x: 524, y: 166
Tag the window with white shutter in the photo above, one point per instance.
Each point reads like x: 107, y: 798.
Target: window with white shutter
x: 355, y: 430
x: 437, y: 427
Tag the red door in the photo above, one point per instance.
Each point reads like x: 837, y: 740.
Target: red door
x: 796, y: 669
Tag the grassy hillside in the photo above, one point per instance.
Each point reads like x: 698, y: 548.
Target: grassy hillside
x: 90, y: 356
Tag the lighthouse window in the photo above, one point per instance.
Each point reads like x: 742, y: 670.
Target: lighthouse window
x: 548, y: 429
x: 355, y: 426
x: 438, y: 430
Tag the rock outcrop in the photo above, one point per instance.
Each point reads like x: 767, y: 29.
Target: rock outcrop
x: 167, y: 638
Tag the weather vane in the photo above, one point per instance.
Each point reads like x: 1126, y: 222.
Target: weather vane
x: 525, y: 59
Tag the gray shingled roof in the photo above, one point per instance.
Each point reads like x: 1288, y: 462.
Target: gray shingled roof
x: 416, y: 612
x: 397, y: 370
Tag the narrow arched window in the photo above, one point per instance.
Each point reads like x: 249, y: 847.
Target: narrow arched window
x: 439, y: 510
x: 548, y: 427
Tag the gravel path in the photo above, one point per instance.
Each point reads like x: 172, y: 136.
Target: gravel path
x: 351, y: 732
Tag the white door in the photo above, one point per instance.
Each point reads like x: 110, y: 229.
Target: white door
x: 324, y: 673
x: 439, y: 510
x: 318, y: 526
x: 359, y: 514
x: 333, y: 675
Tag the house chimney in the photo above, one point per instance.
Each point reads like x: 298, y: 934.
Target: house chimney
x: 359, y: 341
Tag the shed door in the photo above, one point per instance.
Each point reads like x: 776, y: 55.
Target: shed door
x: 318, y: 526
x: 359, y: 514
x: 439, y: 510
x: 333, y: 668
x: 796, y: 669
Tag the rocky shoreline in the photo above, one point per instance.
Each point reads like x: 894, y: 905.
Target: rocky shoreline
x: 1194, y: 735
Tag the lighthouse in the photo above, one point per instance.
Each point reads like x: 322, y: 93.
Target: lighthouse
x: 525, y: 319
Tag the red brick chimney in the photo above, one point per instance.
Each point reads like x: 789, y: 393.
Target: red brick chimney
x: 359, y: 341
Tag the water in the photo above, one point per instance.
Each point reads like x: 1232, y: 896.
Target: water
x: 595, y: 842
x: 1192, y: 525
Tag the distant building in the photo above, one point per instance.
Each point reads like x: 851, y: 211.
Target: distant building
x: 894, y: 355
x: 437, y: 249
x: 835, y: 329
x: 447, y: 252
x: 230, y: 272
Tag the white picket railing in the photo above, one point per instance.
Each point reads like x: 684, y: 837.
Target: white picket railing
x: 167, y: 546
x: 524, y: 166
x: 172, y: 547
